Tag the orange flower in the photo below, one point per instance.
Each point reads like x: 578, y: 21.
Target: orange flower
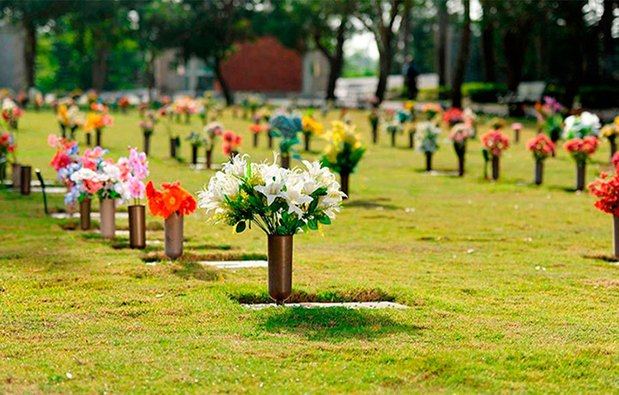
x: 171, y: 199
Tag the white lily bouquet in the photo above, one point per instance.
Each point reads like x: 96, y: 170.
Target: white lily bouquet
x: 279, y: 201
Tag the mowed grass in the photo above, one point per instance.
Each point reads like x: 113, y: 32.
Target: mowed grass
x: 504, y: 287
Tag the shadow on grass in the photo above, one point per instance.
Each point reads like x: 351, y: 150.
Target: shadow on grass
x: 191, y: 256
x: 334, y: 324
x: 372, y: 204
x: 188, y: 270
x: 602, y: 257
x: 299, y: 296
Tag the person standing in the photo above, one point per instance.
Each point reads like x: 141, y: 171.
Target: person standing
x: 410, y: 77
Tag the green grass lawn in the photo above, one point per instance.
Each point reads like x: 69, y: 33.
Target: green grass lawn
x: 504, y: 287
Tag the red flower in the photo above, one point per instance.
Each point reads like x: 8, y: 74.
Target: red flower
x: 541, y: 146
x: 495, y: 142
x: 606, y: 189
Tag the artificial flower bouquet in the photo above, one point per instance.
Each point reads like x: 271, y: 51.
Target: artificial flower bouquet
x: 431, y: 110
x: 549, y: 118
x: 393, y: 127
x: 11, y: 113
x: 542, y: 147
x: 494, y: 142
x: 311, y: 127
x: 7, y: 146
x: 427, y: 140
x: 279, y: 201
x: 256, y: 129
x: 250, y: 105
x: 517, y: 128
x: 606, y: 190
x: 133, y: 171
x: 453, y: 116
x: 147, y: 124
x: 287, y: 127
x: 69, y: 117
x: 231, y: 143
x: 123, y: 103
x: 581, y: 133
x: 459, y: 134
x: 185, y: 106
x: 172, y: 203
x: 211, y: 132
x: 343, y: 152
x: 100, y: 177
x: 196, y: 140
x: 97, y: 119
x: 611, y: 131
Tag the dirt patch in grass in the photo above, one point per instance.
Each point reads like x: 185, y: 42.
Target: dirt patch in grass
x: 604, y: 283
x: 206, y: 246
x: 300, y: 296
x: 192, y: 256
x: 74, y: 224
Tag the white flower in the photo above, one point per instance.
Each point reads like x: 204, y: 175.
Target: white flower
x: 295, y: 197
x: 236, y: 167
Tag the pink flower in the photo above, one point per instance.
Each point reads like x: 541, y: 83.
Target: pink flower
x: 52, y: 140
x: 135, y: 187
x: 138, y: 163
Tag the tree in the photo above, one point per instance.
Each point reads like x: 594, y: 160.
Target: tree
x: 381, y: 17
x: 463, y: 55
x: 487, y: 41
x: 32, y: 14
x: 441, y: 48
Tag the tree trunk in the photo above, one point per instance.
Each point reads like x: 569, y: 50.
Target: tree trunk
x: 463, y: 55
x: 336, y: 59
x: 514, y: 45
x: 575, y: 22
x: 487, y: 44
x: 99, y: 67
x: 30, y: 51
x: 386, y: 58
x: 225, y: 88
x: 406, y: 27
x: 443, y: 21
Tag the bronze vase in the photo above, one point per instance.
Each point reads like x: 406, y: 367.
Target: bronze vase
x: 16, y: 175
x: 345, y: 182
x: 85, y: 214
x: 307, y: 141
x: 613, y: 146
x: 270, y: 140
x: 194, y: 155
x: 616, y: 235
x: 516, y: 136
x: 137, y: 226
x: 393, y: 139
x: 209, y: 158
x: 107, y: 222
x: 147, y: 135
x: 280, y: 267
x: 25, y: 176
x: 496, y: 167
x: 580, y: 175
x: 285, y: 160
x: 174, y: 235
x: 98, y: 137
x: 255, y: 139
x: 172, y: 147
x: 539, y: 171
x: 88, y: 139
x: 428, y: 161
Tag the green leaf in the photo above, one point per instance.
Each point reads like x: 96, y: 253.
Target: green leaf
x: 240, y: 227
x: 325, y: 220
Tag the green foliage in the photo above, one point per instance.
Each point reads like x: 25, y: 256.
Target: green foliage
x: 287, y: 128
x: 484, y: 92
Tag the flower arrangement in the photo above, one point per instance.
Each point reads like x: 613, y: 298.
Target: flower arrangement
x: 212, y: 131
x: 104, y: 180
x: 133, y: 171
x: 606, y: 190
x: 231, y: 143
x: 611, y: 131
x: 97, y: 119
x: 431, y: 110
x: 311, y: 127
x: 172, y: 203
x: 541, y: 146
x: 11, y: 113
x: 66, y: 151
x: 393, y: 127
x: 148, y: 122
x: 497, y: 123
x: 196, y: 140
x: 185, y: 106
x: 287, y: 127
x: 250, y: 105
x: 494, y: 142
x: 427, y: 137
x: 170, y: 200
x: 581, y: 149
x: 69, y: 116
x: 256, y: 129
x: 123, y: 103
x: 581, y: 126
x: 277, y: 200
x: 343, y: 151
x: 459, y: 134
x: 7, y: 146
x: 549, y: 118
x: 453, y: 116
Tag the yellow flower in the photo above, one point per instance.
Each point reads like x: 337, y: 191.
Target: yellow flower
x: 63, y: 114
x: 311, y: 125
x: 610, y: 130
x: 93, y: 120
x: 408, y: 105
